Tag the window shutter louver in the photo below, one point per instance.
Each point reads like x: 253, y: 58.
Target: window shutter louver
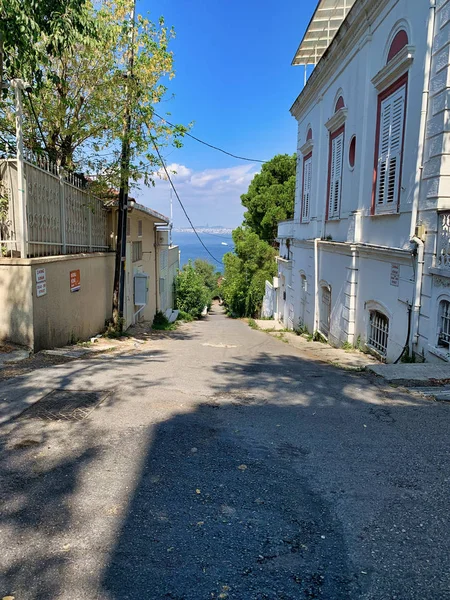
x: 307, y: 172
x: 390, y: 150
x: 334, y: 199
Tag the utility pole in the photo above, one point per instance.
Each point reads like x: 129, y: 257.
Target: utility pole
x: 119, y: 270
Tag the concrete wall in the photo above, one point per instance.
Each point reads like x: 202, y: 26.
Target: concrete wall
x: 59, y: 316
x: 62, y: 316
x: 16, y: 302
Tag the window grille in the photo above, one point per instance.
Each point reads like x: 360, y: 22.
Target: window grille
x: 325, y: 312
x: 443, y: 251
x: 444, y: 324
x: 379, y: 332
x: 136, y: 251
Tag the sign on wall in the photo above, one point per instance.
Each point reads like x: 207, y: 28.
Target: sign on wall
x: 395, y: 275
x: 40, y: 275
x: 41, y: 288
x: 75, y: 280
x: 41, y: 284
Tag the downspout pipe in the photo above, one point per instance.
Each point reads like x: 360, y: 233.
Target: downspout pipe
x: 316, y: 284
x: 156, y: 269
x: 418, y: 180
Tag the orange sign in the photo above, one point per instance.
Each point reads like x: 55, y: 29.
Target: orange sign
x: 75, y: 280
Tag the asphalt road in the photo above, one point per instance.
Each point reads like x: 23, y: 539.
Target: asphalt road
x: 223, y: 464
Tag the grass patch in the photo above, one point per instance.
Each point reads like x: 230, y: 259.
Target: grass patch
x: 252, y: 323
x: 184, y: 316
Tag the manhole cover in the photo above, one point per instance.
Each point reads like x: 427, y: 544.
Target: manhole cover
x: 61, y: 405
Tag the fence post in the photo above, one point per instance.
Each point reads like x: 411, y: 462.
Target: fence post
x: 62, y: 204
x: 22, y: 236
x: 90, y: 209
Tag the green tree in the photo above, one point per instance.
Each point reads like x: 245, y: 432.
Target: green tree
x: 80, y: 104
x: 34, y: 31
x: 270, y: 197
x: 246, y: 271
x: 208, y: 273
x: 192, y: 295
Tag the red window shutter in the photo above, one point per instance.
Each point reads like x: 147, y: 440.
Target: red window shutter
x: 334, y: 199
x: 307, y: 173
x: 392, y: 121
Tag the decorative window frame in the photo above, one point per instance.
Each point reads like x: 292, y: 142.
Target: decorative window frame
x: 402, y: 81
x: 337, y: 120
x: 398, y: 66
x: 401, y: 24
x: 307, y: 218
x: 336, y: 133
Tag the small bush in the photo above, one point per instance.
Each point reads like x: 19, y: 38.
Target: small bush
x: 191, y: 293
x: 161, y: 323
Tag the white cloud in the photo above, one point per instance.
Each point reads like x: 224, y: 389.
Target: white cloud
x: 209, y: 196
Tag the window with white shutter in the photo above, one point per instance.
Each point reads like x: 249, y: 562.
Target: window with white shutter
x: 390, y: 146
x: 307, y: 173
x: 334, y: 197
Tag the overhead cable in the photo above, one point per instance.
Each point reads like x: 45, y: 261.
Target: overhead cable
x: 210, y: 145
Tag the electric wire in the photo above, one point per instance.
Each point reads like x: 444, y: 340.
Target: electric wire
x: 179, y: 200
x: 210, y: 145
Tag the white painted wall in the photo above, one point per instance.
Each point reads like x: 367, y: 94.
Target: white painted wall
x: 359, y: 271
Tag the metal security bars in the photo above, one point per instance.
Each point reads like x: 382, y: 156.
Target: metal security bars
x: 62, y: 216
x: 444, y: 324
x: 378, y: 332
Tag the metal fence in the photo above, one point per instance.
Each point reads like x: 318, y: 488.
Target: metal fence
x: 62, y: 217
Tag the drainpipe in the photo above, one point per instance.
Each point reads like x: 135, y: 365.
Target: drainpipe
x: 316, y: 284
x: 418, y: 180
x: 156, y: 269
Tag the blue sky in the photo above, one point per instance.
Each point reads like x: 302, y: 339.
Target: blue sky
x: 234, y: 79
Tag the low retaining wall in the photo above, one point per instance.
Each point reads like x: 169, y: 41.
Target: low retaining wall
x: 46, y: 302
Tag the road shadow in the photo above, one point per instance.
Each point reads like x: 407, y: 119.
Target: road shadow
x: 286, y: 483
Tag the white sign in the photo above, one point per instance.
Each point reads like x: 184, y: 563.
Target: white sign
x: 41, y: 288
x: 395, y: 275
x: 40, y: 275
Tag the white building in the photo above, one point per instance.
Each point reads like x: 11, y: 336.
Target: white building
x: 366, y: 259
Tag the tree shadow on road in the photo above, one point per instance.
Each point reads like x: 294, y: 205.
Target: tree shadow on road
x: 284, y: 484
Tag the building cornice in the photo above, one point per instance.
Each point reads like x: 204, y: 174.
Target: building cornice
x: 357, y: 25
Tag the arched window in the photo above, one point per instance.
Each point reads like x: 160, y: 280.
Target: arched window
x: 309, y: 134
x: 339, y: 104
x: 444, y: 324
x: 398, y: 43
